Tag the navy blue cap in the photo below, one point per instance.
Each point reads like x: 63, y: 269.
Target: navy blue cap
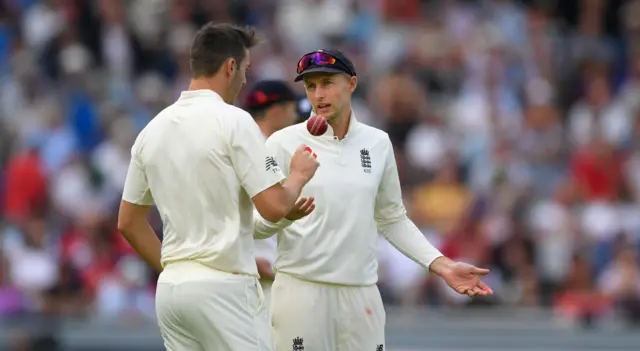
x: 342, y: 65
x: 268, y: 92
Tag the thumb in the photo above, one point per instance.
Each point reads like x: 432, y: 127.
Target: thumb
x: 301, y: 148
x: 479, y: 271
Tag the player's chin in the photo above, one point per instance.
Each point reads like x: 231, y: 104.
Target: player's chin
x: 325, y: 111
x: 330, y: 116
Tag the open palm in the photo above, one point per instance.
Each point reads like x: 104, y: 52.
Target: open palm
x: 464, y: 279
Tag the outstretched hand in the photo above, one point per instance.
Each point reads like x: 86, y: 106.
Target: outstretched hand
x: 461, y: 277
x: 464, y: 279
x: 303, y: 207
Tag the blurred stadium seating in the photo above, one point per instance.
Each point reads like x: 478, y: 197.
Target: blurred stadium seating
x: 516, y: 126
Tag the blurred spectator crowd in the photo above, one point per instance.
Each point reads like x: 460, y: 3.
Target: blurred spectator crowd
x: 516, y: 126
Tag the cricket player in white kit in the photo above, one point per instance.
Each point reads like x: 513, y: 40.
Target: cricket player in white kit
x: 324, y: 297
x: 273, y: 105
x: 202, y: 161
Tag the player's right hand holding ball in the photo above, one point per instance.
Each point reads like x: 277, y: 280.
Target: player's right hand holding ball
x: 303, y: 163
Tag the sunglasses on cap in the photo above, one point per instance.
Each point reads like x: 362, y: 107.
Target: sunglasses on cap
x: 321, y: 59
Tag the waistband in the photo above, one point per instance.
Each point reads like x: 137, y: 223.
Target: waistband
x: 288, y: 277
x: 184, y: 271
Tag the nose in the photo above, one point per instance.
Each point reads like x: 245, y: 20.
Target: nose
x: 319, y: 93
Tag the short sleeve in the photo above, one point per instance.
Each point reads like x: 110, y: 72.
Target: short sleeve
x: 389, y: 207
x: 256, y: 168
x: 278, y: 150
x: 136, y: 188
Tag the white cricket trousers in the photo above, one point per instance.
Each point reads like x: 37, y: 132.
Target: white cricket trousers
x: 323, y: 317
x: 266, y: 292
x: 202, y: 309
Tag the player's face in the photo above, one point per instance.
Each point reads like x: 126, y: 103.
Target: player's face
x: 329, y: 94
x: 239, y: 76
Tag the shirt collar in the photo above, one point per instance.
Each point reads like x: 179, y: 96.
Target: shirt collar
x: 353, y: 124
x: 190, y: 94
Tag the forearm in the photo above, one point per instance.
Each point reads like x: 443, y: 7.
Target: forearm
x: 407, y: 238
x: 264, y: 229
x: 145, y: 242
x: 292, y: 188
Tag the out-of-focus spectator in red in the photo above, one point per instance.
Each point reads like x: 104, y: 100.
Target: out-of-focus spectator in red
x: 401, y: 11
x: 25, y: 185
x: 597, y: 170
x: 90, y: 250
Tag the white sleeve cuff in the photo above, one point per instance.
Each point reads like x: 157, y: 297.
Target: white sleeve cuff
x: 264, y: 229
x: 408, y: 239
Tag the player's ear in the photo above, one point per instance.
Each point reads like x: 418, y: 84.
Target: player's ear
x: 230, y: 66
x: 353, y: 83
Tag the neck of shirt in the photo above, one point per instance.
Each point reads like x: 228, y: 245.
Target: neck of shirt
x: 352, y: 123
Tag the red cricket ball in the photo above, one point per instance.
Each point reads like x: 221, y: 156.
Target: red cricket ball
x: 317, y: 125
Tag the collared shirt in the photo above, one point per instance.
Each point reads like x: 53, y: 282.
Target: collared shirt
x: 356, y: 190
x: 201, y: 161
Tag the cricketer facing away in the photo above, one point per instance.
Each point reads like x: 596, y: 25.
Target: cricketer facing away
x: 324, y: 297
x: 202, y: 161
x: 273, y: 105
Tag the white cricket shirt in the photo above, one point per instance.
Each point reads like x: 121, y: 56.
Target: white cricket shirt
x: 201, y: 161
x: 357, y: 193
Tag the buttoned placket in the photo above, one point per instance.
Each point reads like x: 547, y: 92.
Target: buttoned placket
x: 337, y: 146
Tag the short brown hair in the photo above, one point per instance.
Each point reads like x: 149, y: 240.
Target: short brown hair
x: 215, y: 43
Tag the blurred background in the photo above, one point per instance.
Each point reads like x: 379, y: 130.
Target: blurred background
x: 516, y: 126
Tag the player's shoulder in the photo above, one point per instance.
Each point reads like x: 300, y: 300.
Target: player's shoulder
x: 235, y: 111
x: 227, y: 119
x: 221, y: 109
x: 158, y: 124
x: 373, y: 132
x: 291, y: 132
x: 216, y: 109
x: 153, y: 130
x: 237, y: 116
x: 373, y: 139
